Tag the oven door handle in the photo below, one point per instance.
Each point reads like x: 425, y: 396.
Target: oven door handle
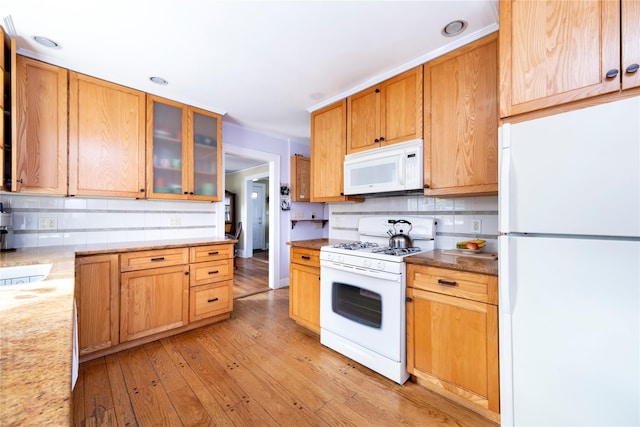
x: 383, y: 275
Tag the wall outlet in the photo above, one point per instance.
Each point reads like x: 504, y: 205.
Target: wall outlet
x: 476, y: 225
x: 48, y: 224
x: 317, y: 225
x: 298, y: 214
x: 174, y: 221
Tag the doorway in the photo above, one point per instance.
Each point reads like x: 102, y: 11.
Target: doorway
x: 258, y: 209
x: 275, y: 246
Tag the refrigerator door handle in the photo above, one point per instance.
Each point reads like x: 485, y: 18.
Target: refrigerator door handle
x: 504, y: 161
x: 507, y: 288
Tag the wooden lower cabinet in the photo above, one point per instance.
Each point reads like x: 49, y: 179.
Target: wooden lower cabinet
x: 452, y: 335
x: 210, y: 300
x: 153, y: 301
x: 211, y: 281
x: 131, y: 298
x: 97, y: 294
x: 304, y: 287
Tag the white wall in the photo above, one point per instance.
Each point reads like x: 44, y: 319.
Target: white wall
x: 453, y: 217
x: 83, y: 221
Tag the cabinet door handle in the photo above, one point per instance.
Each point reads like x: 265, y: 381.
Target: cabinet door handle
x: 186, y: 273
x: 214, y: 253
x: 381, y: 138
x: 305, y: 257
x: 19, y: 181
x: 212, y: 300
x: 142, y: 190
x: 408, y: 299
x: 611, y: 73
x: 376, y: 140
x: 632, y: 68
x: 214, y: 272
x: 447, y: 282
x: 158, y: 259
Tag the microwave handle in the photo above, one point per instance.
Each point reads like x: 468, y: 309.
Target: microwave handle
x: 401, y: 169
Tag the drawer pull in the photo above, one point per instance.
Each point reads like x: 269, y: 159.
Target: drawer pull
x: 305, y: 257
x: 158, y: 259
x: 214, y: 253
x: 212, y: 300
x: 447, y: 282
x: 214, y: 272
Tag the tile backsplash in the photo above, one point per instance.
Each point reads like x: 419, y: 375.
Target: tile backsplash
x: 454, y: 217
x: 54, y: 220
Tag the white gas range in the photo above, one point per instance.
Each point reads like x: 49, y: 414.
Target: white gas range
x: 362, y: 294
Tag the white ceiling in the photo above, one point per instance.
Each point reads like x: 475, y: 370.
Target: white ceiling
x: 264, y: 64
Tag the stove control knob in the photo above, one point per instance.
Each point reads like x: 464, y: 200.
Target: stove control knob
x: 366, y: 263
x: 380, y: 265
x: 329, y: 257
x: 339, y: 258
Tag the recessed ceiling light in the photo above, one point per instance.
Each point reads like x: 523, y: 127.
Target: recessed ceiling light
x: 159, y: 80
x: 454, y: 28
x: 47, y: 42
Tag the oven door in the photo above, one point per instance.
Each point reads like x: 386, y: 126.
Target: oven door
x: 364, y: 307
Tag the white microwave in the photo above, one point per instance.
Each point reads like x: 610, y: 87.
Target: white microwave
x: 396, y: 167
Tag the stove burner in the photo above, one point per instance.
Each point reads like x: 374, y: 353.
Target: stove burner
x: 396, y: 251
x: 354, y: 246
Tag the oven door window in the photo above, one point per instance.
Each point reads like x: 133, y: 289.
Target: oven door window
x: 357, y: 304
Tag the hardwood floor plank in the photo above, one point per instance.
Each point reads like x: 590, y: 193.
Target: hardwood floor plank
x: 153, y: 407
x: 257, y: 368
x: 164, y: 367
x: 136, y: 369
x: 125, y: 416
x: 267, y: 384
x: 189, y: 408
x: 337, y: 413
x: 225, y: 390
x: 78, y: 401
x: 201, y: 392
x: 97, y: 391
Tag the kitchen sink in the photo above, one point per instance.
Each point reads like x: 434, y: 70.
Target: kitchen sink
x: 21, y: 274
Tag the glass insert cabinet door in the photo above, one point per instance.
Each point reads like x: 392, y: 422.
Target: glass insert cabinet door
x: 168, y: 149
x: 206, y: 152
x: 184, y: 144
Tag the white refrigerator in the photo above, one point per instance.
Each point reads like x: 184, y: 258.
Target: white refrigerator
x: 569, y: 268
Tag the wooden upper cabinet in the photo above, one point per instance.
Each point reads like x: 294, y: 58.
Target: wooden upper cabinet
x: 300, y: 179
x: 461, y: 121
x: 387, y: 113
x: 554, y: 52
x: 328, y: 146
x: 184, y: 151
x: 630, y: 46
x: 39, y: 127
x: 106, y: 139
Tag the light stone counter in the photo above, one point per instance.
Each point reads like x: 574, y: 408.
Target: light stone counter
x: 36, y: 332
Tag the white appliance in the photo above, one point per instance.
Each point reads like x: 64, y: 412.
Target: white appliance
x: 396, y: 167
x: 362, y: 295
x: 569, y: 268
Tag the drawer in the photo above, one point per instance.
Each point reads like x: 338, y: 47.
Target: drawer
x: 210, y: 300
x: 211, y: 253
x: 310, y: 257
x: 209, y: 272
x: 142, y: 260
x: 472, y: 286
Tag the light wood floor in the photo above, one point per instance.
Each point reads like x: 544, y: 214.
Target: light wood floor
x: 251, y: 275
x: 256, y: 369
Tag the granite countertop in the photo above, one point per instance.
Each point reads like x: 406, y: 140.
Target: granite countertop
x: 36, y: 331
x: 462, y: 263
x: 315, y: 243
